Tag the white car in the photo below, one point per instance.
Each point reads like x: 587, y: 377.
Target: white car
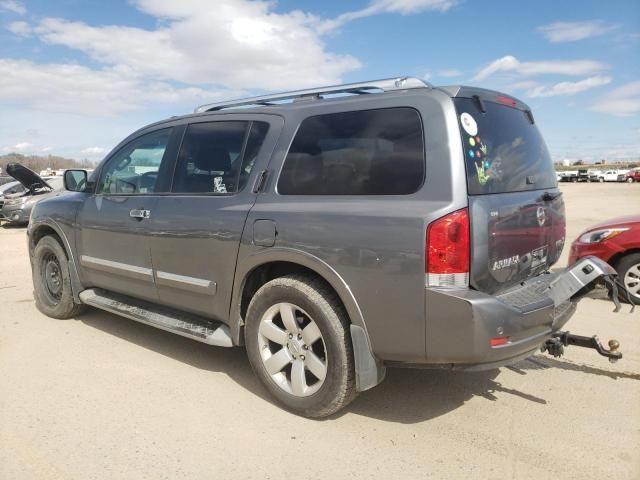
x: 610, y: 175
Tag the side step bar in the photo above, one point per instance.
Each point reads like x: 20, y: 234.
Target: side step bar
x: 181, y: 323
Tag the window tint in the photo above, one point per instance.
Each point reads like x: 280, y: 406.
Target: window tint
x: 504, y: 151
x: 217, y: 157
x: 134, y: 169
x: 371, y: 152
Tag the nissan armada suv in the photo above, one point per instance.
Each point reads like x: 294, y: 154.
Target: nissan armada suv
x: 332, y: 231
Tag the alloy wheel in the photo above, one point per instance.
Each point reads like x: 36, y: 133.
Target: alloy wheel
x: 292, y: 349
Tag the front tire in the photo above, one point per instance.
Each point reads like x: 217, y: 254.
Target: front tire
x: 628, y: 269
x: 299, y: 345
x: 52, y: 281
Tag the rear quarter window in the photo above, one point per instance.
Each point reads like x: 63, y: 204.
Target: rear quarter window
x: 367, y: 152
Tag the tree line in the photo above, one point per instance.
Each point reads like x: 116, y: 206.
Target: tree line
x: 37, y: 163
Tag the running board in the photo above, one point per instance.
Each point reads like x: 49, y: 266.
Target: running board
x: 180, y: 323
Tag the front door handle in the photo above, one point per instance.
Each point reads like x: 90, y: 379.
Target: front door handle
x: 139, y: 213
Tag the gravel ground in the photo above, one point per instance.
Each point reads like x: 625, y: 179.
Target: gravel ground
x: 104, y: 397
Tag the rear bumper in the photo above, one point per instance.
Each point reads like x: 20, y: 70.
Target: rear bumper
x: 462, y: 322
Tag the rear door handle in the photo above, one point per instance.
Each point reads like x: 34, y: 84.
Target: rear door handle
x: 139, y: 213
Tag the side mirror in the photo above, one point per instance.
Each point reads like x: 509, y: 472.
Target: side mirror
x: 75, y: 180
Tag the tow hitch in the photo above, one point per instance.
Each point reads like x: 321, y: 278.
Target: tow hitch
x: 574, y: 283
x: 555, y: 345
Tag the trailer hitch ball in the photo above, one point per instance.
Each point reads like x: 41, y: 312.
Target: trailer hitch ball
x: 555, y: 345
x: 613, y: 348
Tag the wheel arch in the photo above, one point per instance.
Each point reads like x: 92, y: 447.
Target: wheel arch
x: 615, y: 259
x: 37, y: 231
x: 262, y: 267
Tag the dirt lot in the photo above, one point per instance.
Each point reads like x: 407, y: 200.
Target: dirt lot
x: 104, y: 397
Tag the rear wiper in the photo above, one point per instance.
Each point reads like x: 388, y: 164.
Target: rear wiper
x: 549, y: 197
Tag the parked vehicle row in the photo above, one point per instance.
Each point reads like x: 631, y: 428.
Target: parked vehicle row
x: 590, y: 175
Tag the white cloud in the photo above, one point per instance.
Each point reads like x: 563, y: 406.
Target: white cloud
x: 376, y: 7
x: 238, y: 44
x: 621, y: 101
x: 22, y: 29
x: 219, y: 52
x: 13, y: 6
x: 77, y: 89
x: 450, y: 73
x: 569, y: 88
x: 572, y: 31
x: 407, y: 7
x: 524, y: 85
x: 511, y: 64
x: 22, y: 147
x: 94, y: 151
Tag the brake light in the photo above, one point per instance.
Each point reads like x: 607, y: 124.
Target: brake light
x: 447, y: 250
x: 506, y: 100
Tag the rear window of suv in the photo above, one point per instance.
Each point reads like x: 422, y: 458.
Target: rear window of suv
x: 367, y: 152
x: 504, y: 151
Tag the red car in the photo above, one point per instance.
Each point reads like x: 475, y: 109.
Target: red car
x: 617, y: 242
x: 632, y: 176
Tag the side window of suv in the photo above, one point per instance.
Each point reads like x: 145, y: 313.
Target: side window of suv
x: 134, y: 169
x: 367, y: 152
x: 217, y: 157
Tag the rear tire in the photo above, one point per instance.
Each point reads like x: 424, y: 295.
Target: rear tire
x: 290, y: 362
x: 628, y: 269
x: 601, y: 180
x: 52, y: 281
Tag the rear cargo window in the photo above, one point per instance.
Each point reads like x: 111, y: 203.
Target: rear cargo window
x: 369, y: 152
x: 504, y: 151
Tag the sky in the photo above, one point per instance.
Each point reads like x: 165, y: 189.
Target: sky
x: 76, y: 77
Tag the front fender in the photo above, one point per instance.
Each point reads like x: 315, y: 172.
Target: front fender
x: 59, y: 214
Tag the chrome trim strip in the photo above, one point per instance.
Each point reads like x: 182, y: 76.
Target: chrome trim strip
x: 132, y: 271
x: 198, y: 285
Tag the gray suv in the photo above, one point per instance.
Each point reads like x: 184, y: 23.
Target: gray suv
x: 332, y: 231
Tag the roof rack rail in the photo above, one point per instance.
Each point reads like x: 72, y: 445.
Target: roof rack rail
x: 387, y: 84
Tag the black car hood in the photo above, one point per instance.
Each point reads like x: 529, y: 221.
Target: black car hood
x: 30, y: 179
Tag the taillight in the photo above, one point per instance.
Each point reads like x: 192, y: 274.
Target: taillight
x: 447, y: 250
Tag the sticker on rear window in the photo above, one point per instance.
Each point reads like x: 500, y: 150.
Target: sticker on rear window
x: 469, y: 124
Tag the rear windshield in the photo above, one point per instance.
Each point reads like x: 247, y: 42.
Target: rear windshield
x: 504, y: 151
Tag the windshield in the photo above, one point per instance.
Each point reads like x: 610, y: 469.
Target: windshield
x: 504, y: 151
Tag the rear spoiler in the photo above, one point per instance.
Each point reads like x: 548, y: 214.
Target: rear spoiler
x: 483, y: 94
